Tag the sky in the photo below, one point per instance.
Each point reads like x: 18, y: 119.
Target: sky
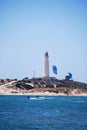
x: 29, y: 28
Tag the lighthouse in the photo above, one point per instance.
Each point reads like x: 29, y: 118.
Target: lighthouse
x: 46, y: 65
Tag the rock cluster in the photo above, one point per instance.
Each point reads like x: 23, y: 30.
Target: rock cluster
x: 67, y: 87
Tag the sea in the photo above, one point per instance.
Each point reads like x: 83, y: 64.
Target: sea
x: 23, y: 112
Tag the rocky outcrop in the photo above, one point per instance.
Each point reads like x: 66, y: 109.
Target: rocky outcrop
x: 67, y: 87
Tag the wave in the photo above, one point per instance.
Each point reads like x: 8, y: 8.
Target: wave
x: 37, y: 98
x: 80, y: 101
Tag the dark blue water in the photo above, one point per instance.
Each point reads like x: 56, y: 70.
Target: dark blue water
x: 43, y: 113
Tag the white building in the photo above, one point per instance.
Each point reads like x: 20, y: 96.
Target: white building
x: 46, y: 65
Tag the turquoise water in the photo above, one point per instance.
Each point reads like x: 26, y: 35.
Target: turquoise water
x: 43, y: 113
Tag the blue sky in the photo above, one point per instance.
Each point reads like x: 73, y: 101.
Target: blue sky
x: 30, y: 27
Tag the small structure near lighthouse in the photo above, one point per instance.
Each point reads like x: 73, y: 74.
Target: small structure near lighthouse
x: 46, y: 65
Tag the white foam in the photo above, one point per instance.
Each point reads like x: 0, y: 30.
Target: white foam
x: 37, y: 98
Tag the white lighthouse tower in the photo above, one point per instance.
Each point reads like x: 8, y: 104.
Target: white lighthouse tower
x: 46, y: 65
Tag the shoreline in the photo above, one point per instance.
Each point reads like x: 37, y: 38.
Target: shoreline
x: 43, y: 87
x: 43, y: 94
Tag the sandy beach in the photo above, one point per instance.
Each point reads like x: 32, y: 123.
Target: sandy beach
x: 64, y: 88
x: 41, y: 93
